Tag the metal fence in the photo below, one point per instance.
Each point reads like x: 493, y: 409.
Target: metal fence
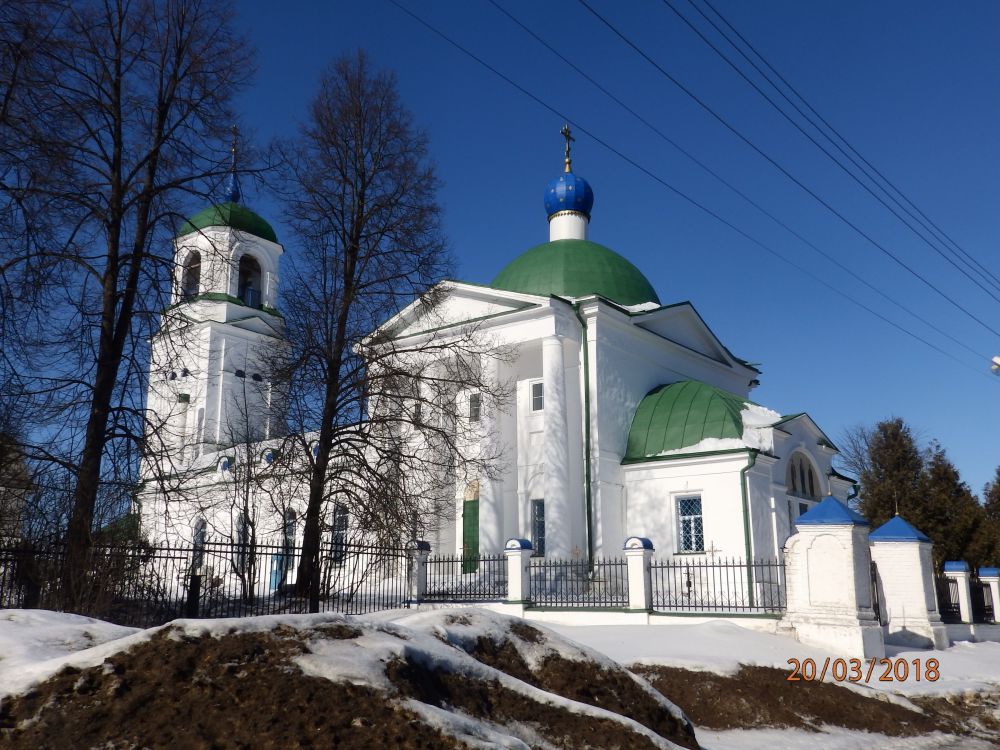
x: 574, y: 583
x: 718, y: 586
x: 459, y: 578
x: 145, y: 586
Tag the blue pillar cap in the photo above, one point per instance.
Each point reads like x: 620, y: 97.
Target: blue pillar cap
x: 896, y: 529
x: 513, y: 544
x: 956, y: 566
x: 990, y: 572
x: 638, y: 542
x: 831, y: 512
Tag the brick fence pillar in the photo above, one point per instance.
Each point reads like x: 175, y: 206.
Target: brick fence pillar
x: 638, y: 555
x: 518, y: 554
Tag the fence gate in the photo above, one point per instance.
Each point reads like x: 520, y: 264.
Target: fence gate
x: 876, y: 601
x: 982, y: 600
x: 947, y: 596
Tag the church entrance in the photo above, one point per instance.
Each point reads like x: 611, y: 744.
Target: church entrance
x: 470, y: 536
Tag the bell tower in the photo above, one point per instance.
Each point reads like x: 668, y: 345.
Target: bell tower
x: 213, y: 359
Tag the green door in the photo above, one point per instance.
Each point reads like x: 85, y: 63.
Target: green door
x: 470, y: 536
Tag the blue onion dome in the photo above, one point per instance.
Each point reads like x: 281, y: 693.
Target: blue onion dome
x: 567, y: 192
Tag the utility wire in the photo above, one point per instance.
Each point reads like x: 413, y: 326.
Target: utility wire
x: 694, y: 97
x: 832, y: 259
x: 831, y: 156
x: 561, y: 115
x: 940, y: 232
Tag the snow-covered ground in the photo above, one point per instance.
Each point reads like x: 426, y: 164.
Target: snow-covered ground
x: 36, y: 644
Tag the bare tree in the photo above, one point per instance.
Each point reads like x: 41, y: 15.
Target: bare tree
x: 375, y: 411
x: 122, y: 113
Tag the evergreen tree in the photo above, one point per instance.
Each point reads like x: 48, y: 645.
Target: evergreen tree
x: 986, y: 545
x: 891, y: 476
x: 946, y: 510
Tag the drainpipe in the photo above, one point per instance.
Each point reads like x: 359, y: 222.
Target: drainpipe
x: 744, y: 479
x: 586, y: 436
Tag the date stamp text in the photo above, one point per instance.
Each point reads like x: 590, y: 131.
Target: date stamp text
x: 862, y: 670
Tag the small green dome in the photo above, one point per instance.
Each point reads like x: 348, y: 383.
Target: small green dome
x: 683, y: 414
x: 229, y: 214
x: 576, y: 268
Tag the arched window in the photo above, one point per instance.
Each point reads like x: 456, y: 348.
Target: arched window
x: 191, y: 277
x: 249, y: 281
x: 339, y: 523
x: 800, y: 478
x: 200, y: 537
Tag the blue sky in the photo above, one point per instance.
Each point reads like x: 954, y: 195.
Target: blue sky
x: 912, y: 85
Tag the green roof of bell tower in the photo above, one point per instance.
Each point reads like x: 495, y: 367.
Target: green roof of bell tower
x: 229, y: 214
x: 576, y: 268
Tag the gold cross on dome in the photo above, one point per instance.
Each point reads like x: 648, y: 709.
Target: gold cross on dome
x: 567, y: 134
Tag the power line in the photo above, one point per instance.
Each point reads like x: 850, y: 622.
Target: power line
x: 734, y: 189
x: 694, y: 97
x: 832, y: 129
x: 829, y: 155
x: 673, y: 189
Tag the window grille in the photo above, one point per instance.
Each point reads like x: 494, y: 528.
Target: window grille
x: 691, y: 530
x: 538, y: 527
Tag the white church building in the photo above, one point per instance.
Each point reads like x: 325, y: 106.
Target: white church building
x: 631, y: 418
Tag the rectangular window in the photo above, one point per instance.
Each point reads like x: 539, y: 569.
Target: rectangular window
x: 538, y: 527
x: 475, y: 404
x: 418, y: 414
x: 691, y: 534
x: 537, y: 396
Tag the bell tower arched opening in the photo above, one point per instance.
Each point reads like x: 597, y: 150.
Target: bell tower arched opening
x: 249, y: 281
x: 191, y: 277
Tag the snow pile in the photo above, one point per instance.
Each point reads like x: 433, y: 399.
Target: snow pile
x: 424, y: 663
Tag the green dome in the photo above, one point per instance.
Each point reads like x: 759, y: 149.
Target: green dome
x: 576, y: 268
x: 229, y: 214
x: 683, y: 414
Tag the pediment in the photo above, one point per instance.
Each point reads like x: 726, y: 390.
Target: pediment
x: 682, y: 324
x: 459, y: 303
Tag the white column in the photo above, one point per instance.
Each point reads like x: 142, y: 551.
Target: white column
x: 958, y: 570
x: 518, y: 554
x: 991, y: 577
x: 638, y: 555
x: 491, y: 537
x: 558, y: 514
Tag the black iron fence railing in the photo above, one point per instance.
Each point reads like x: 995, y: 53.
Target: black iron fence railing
x: 145, y: 586
x: 718, y: 586
x: 460, y: 578
x: 574, y: 583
